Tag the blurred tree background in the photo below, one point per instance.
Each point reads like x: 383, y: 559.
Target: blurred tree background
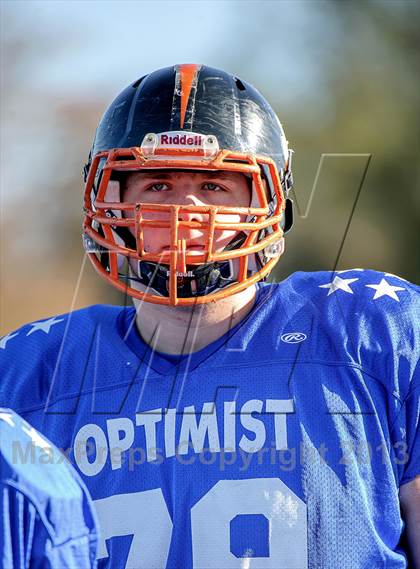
x: 342, y: 76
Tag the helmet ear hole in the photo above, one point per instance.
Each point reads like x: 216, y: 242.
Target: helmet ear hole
x: 288, y: 215
x: 239, y: 84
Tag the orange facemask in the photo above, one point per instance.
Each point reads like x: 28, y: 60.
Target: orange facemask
x: 262, y: 227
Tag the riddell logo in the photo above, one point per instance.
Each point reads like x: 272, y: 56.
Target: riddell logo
x: 178, y: 274
x: 183, y: 139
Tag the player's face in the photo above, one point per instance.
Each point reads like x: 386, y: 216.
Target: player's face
x: 188, y: 188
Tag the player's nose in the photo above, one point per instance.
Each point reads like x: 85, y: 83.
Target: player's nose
x: 186, y: 199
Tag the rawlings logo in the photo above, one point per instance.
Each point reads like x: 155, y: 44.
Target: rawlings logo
x: 293, y: 337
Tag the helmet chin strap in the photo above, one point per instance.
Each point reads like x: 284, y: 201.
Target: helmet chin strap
x: 194, y: 280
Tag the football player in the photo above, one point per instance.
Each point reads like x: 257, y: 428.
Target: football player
x: 223, y: 421
x: 47, y: 518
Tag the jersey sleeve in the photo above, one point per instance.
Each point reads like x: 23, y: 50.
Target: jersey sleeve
x: 410, y: 431
x: 389, y: 345
x: 402, y: 352
x: 27, y: 357
x: 48, y: 360
x: 375, y: 316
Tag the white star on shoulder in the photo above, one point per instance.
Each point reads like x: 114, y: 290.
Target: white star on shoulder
x: 45, y: 325
x: 339, y: 284
x: 5, y: 339
x: 7, y: 418
x: 385, y: 289
x: 36, y: 438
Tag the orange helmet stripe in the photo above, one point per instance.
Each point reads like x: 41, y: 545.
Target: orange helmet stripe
x: 187, y: 74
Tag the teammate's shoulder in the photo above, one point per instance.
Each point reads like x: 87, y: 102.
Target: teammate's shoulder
x: 34, y: 471
x: 22, y: 449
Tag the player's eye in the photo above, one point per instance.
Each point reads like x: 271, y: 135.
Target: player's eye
x: 158, y: 187
x: 212, y: 187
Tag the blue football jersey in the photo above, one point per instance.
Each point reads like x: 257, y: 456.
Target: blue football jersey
x: 282, y: 445
x: 47, y: 519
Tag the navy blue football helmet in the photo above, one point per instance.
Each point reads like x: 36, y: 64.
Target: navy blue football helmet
x: 195, y: 118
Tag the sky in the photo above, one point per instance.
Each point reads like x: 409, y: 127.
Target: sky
x: 57, y: 53
x: 81, y: 45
